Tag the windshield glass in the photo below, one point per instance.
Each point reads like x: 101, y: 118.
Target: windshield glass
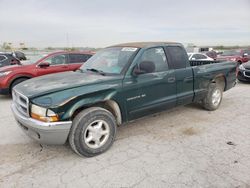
x: 110, y: 60
x: 33, y: 59
x: 231, y: 53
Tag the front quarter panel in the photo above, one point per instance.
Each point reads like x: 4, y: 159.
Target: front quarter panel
x: 66, y: 102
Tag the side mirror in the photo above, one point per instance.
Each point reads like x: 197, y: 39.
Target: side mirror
x: 144, y: 67
x: 44, y: 65
x: 245, y: 54
x: 137, y: 71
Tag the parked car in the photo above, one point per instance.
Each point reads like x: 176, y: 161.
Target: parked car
x: 199, y: 56
x: 55, y: 62
x: 8, y: 59
x: 239, y: 56
x: 244, y: 72
x: 118, y: 84
x: 19, y: 55
x: 212, y: 54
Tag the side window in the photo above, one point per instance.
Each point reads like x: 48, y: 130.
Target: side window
x: 246, y: 52
x: 177, y: 57
x: 2, y: 58
x: 155, y: 60
x: 57, y: 60
x: 78, y: 58
x: 199, y: 56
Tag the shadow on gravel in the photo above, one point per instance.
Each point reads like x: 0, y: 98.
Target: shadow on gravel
x: 5, y: 98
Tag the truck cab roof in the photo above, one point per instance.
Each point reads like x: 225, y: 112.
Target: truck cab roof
x: 146, y: 44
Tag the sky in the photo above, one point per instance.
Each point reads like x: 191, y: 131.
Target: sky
x: 100, y: 23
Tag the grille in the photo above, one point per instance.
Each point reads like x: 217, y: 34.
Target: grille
x: 21, y: 102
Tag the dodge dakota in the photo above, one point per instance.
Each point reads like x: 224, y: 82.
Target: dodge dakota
x: 118, y: 84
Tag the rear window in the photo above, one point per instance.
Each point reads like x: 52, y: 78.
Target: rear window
x: 246, y: 51
x: 78, y: 58
x: 177, y: 57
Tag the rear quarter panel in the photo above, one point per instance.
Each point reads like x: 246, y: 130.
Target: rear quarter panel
x: 205, y: 74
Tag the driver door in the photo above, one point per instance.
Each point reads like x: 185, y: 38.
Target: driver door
x: 57, y: 63
x: 152, y: 91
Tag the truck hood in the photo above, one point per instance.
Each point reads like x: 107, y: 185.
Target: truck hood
x: 57, y: 82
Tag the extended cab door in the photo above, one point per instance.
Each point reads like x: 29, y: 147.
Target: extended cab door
x: 57, y: 63
x: 178, y: 61
x: 152, y: 87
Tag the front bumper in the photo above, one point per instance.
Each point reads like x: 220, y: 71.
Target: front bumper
x: 52, y: 133
x: 243, y: 76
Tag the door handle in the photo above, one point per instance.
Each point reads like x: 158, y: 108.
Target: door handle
x: 188, y: 79
x: 171, y: 80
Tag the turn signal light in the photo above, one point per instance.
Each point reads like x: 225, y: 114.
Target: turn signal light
x: 45, y: 119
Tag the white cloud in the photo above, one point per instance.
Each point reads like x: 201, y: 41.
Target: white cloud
x: 100, y: 23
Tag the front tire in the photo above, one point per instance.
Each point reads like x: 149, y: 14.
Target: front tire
x: 93, y: 132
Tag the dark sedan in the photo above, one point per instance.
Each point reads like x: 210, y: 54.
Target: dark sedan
x: 8, y: 59
x: 244, y: 72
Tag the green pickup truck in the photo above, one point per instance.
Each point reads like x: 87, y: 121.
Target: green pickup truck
x: 119, y: 84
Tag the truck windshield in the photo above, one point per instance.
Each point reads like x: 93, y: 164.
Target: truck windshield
x: 110, y: 60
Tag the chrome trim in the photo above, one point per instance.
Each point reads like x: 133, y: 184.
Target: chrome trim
x: 21, y: 102
x: 36, y: 123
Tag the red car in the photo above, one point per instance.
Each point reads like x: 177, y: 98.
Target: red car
x: 240, y: 56
x: 40, y: 65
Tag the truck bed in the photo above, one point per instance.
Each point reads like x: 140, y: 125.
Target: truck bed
x: 202, y: 62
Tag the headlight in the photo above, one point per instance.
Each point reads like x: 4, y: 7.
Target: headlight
x: 241, y: 67
x: 5, y: 73
x: 43, y: 114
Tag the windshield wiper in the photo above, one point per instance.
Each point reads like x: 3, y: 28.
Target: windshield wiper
x: 96, y: 70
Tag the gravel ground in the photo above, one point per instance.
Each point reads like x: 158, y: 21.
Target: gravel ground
x: 184, y: 147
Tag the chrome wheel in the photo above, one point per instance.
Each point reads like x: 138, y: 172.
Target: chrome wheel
x: 96, y: 134
x: 216, y: 97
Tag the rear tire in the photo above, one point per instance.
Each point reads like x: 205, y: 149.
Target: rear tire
x: 93, y: 132
x: 214, y: 97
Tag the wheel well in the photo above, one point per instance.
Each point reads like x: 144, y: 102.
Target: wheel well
x: 26, y: 77
x: 109, y: 105
x: 221, y: 80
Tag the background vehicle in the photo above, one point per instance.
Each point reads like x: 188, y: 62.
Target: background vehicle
x: 19, y: 55
x: 212, y: 54
x: 199, y: 56
x: 240, y: 56
x: 118, y: 84
x: 8, y: 59
x: 244, y: 72
x: 40, y: 65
